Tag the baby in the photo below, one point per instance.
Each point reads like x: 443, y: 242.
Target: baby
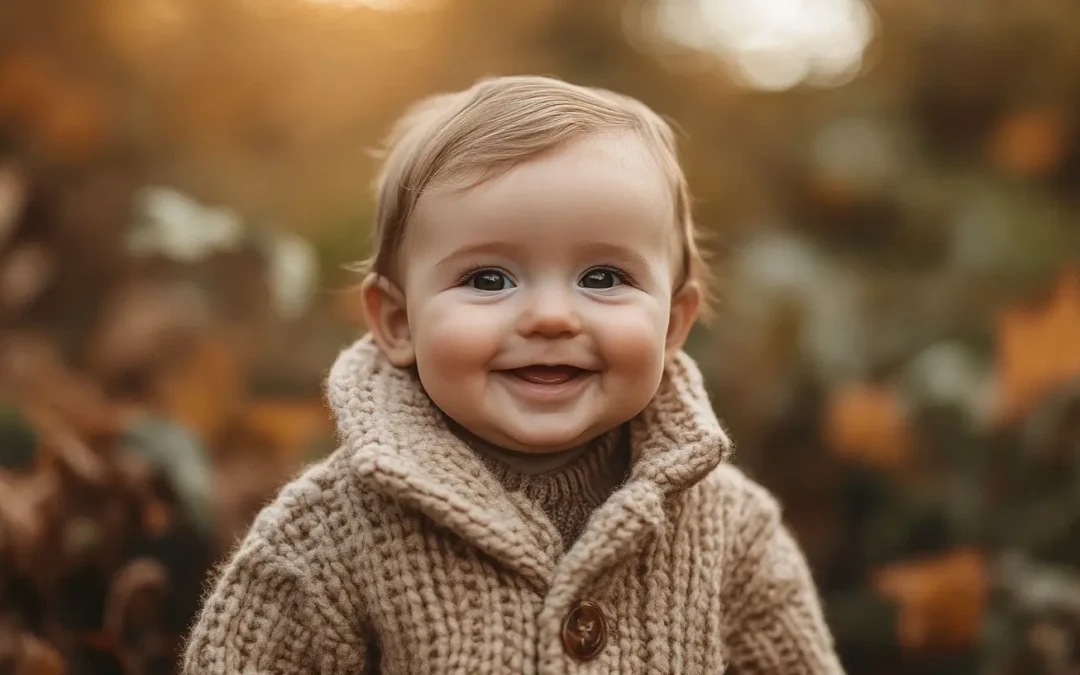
x: 531, y: 478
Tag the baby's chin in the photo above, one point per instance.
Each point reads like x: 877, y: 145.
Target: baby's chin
x: 541, y: 441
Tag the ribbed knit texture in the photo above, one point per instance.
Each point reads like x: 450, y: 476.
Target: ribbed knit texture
x: 403, y: 552
x: 568, y: 493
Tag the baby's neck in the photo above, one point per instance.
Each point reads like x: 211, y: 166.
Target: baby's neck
x: 527, y: 463
x: 531, y: 463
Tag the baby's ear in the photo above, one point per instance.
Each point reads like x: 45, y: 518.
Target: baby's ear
x: 386, y: 318
x: 684, y: 312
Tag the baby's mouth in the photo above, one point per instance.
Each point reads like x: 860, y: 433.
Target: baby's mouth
x: 548, y: 375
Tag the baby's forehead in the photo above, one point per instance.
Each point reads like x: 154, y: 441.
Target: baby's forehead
x: 607, y: 187
x: 614, y: 150
x: 591, y: 172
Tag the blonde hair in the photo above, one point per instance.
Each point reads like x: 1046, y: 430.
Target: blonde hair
x: 499, y: 123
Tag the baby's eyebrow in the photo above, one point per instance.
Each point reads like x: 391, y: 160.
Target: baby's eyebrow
x: 490, y: 247
x: 618, y: 252
x: 596, y: 253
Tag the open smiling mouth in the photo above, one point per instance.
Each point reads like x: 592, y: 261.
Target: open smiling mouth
x: 548, y: 375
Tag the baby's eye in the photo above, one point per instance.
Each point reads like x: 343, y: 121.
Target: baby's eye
x: 601, y: 277
x: 489, y: 280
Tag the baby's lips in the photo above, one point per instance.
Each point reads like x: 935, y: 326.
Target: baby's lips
x: 550, y: 375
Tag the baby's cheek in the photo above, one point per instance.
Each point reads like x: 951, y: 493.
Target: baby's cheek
x: 631, y: 337
x: 457, y: 341
x: 634, y: 353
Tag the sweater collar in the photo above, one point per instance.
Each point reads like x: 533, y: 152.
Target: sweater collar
x: 399, y: 443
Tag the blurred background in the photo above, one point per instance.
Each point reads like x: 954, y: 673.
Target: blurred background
x: 891, y: 192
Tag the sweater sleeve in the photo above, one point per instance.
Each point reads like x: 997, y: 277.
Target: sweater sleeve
x: 773, y: 621
x: 265, y: 617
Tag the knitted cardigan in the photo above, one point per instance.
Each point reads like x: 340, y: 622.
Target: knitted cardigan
x: 402, y: 553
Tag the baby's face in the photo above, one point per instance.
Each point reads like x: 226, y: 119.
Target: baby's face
x: 539, y: 303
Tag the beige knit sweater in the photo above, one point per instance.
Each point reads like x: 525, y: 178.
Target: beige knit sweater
x: 403, y: 553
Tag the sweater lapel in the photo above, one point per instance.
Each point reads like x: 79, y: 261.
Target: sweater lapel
x: 402, y: 446
x: 675, y: 442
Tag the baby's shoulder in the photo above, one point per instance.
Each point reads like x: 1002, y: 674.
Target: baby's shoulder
x: 319, y: 508
x: 736, y: 498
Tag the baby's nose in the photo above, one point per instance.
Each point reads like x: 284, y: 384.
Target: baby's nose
x: 549, y: 314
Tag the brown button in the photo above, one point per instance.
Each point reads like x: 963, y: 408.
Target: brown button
x: 584, y: 631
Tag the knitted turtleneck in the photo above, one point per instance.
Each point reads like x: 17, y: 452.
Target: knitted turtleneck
x: 568, y: 485
x: 403, y: 552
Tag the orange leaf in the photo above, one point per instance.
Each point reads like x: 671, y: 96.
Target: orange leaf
x: 72, y: 127
x: 1039, y: 350
x: 26, y: 80
x: 1030, y: 142
x: 157, y: 517
x: 290, y: 426
x: 206, y: 390
x: 941, y: 600
x: 868, y: 424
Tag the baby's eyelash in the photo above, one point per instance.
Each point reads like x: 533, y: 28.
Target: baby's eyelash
x: 621, y: 275
x: 473, y: 271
